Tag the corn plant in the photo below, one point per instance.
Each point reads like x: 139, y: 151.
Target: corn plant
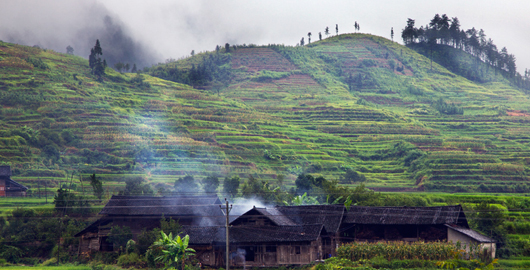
x: 397, y: 250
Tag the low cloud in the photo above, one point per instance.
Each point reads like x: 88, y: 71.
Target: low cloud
x: 58, y: 24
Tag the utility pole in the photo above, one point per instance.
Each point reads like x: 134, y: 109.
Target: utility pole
x: 227, y: 238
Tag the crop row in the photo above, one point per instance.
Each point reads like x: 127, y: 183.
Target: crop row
x: 397, y: 250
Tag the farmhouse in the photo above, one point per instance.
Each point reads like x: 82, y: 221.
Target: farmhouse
x: 145, y: 212
x: 8, y: 187
x: 281, y: 235
x: 441, y: 223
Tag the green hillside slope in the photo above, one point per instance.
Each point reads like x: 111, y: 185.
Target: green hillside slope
x: 398, y: 118
x: 352, y: 101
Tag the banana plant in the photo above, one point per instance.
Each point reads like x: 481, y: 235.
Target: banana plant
x: 304, y: 200
x: 175, y: 249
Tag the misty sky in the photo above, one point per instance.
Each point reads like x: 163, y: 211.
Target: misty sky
x: 151, y: 31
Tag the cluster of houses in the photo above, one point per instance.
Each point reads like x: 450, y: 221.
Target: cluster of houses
x: 270, y: 236
x: 279, y: 235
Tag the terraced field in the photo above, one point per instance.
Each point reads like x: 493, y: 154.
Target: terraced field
x: 353, y: 101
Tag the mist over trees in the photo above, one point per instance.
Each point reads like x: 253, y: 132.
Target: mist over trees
x: 69, y: 50
x: 94, y: 21
x: 211, y: 68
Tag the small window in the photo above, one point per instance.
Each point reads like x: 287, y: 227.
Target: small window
x: 297, y: 250
x: 270, y: 249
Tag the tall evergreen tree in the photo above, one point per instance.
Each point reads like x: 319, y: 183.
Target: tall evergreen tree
x: 95, y: 62
x: 309, y: 38
x: 92, y: 59
x: 454, y: 31
x: 409, y: 33
x: 97, y: 48
x: 444, y: 29
x: 491, y: 52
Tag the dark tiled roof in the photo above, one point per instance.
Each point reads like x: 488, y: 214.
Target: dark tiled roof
x: 204, y: 235
x: 181, y: 205
x: 12, y: 186
x: 329, y: 215
x: 295, y: 233
x: 407, y: 215
x: 5, y: 170
x: 277, y: 218
x: 93, y: 227
x: 471, y: 233
x: 243, y: 234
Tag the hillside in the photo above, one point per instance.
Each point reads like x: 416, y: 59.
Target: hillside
x: 375, y: 94
x: 352, y: 101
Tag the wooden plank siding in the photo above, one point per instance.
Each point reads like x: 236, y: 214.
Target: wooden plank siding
x: 273, y: 255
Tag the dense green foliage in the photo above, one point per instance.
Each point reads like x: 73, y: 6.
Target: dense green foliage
x: 119, y: 236
x: 27, y: 234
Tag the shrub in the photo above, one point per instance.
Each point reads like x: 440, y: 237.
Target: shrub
x: 49, y: 262
x: 128, y: 260
x: 146, y: 239
x: 369, y: 63
x: 119, y: 236
x: 29, y: 261
x: 12, y: 254
x: 351, y: 177
x: 414, y: 90
x: 131, y: 246
x: 104, y: 257
x: 37, y: 62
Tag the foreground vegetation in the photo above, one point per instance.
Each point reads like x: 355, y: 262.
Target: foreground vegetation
x: 35, y: 236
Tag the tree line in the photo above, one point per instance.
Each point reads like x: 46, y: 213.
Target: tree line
x: 445, y: 31
x: 212, y: 68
